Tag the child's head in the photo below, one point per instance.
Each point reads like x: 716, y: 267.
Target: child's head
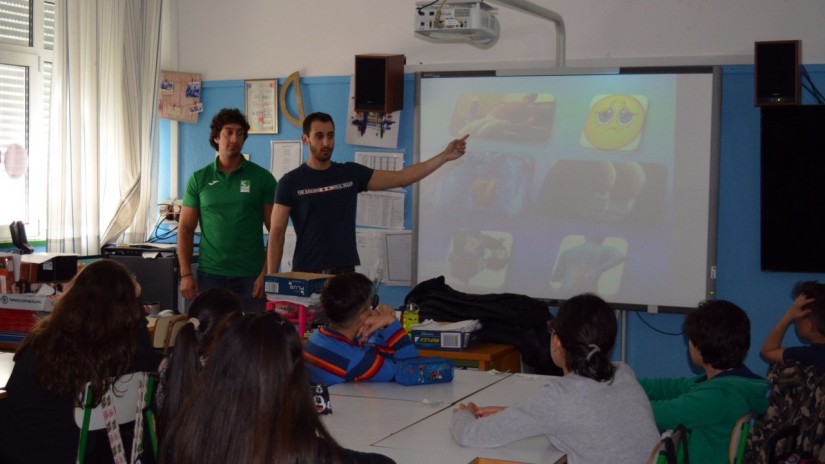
x: 813, y: 289
x: 720, y: 333
x: 586, y: 328
x: 211, y: 311
x: 256, y: 377
x: 91, y: 334
x: 345, y: 297
x: 210, y: 308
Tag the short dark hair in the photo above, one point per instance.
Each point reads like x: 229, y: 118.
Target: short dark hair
x: 317, y: 116
x: 224, y: 117
x: 586, y: 326
x: 813, y: 289
x: 721, y: 331
x: 344, y: 296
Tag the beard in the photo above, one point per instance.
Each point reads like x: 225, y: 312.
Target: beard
x: 322, y: 154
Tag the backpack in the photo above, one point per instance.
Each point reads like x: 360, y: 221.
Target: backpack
x: 793, y: 427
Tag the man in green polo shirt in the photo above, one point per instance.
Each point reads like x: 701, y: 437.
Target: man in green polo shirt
x: 230, y: 197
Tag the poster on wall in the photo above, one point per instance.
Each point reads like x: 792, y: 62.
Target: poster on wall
x: 262, y: 105
x: 180, y: 96
x: 371, y: 129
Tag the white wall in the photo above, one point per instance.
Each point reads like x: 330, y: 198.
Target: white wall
x: 247, y: 39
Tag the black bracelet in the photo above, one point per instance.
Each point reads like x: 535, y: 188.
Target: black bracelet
x: 186, y: 275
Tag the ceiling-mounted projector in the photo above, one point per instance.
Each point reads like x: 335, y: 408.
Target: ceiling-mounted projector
x: 470, y: 20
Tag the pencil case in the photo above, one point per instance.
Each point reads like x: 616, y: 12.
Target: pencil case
x: 422, y: 371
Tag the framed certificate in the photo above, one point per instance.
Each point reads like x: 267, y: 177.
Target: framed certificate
x: 262, y: 105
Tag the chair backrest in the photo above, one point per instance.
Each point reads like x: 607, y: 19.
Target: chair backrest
x: 672, y: 448
x: 126, y: 391
x: 739, y: 439
x: 657, y: 451
x: 130, y: 397
x: 166, y: 330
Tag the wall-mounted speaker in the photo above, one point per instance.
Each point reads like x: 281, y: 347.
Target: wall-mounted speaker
x: 379, y: 83
x: 777, y: 70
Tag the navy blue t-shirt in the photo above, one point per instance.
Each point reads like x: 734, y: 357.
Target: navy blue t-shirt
x: 807, y: 355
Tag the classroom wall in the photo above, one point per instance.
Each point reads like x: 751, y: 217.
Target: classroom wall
x: 265, y: 38
x: 272, y: 39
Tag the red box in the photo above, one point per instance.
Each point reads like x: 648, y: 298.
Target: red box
x: 299, y: 315
x: 16, y: 320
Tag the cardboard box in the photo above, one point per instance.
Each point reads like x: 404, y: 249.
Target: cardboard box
x: 443, y: 340
x: 27, y: 302
x: 295, y: 283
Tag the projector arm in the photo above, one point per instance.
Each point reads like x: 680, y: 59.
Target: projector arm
x: 529, y: 7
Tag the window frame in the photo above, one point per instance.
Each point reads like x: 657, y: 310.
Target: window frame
x: 34, y: 57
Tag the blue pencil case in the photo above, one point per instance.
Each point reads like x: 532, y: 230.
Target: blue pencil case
x: 422, y: 371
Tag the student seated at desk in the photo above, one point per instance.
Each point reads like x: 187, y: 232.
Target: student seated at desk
x: 360, y: 343
x: 709, y: 405
x: 807, y: 313
x: 209, y: 314
x: 595, y: 413
x: 252, y: 404
x: 96, y: 332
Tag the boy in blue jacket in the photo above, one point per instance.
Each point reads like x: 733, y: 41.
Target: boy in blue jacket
x: 710, y: 404
x: 360, y: 343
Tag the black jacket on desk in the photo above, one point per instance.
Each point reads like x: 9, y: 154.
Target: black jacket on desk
x: 510, y: 318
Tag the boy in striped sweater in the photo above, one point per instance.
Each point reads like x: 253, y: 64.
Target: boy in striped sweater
x: 360, y: 343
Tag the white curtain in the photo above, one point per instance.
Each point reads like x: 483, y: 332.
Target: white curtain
x: 103, y: 123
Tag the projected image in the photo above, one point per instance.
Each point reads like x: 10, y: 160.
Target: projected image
x: 615, y: 122
x: 478, y: 259
x: 486, y: 182
x: 516, y: 117
x: 589, y: 263
x: 627, y: 159
x: 603, y: 190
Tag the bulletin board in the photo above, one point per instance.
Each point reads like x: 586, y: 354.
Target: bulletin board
x: 180, y: 96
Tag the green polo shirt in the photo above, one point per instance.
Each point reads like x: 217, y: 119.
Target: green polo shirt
x: 230, y: 211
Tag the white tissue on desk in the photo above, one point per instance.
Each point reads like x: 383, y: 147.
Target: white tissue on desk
x: 468, y: 325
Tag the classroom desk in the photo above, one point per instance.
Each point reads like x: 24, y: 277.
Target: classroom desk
x: 6, y: 365
x: 358, y: 422
x: 464, y: 384
x: 488, y: 356
x: 390, y: 419
x: 434, y: 430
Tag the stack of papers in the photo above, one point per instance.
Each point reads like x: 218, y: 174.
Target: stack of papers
x: 308, y: 301
x: 469, y: 325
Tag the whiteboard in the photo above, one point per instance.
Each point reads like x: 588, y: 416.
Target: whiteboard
x: 572, y: 183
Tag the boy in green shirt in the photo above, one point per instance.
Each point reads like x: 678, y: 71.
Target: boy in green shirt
x: 710, y: 404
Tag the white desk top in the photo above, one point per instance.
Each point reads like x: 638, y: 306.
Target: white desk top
x: 6, y: 365
x: 434, y: 430
x: 409, y: 431
x: 358, y: 422
x: 464, y: 384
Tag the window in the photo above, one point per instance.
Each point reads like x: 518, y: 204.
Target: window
x: 26, y: 53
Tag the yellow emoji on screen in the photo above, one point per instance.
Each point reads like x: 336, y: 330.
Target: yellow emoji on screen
x: 614, y: 122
